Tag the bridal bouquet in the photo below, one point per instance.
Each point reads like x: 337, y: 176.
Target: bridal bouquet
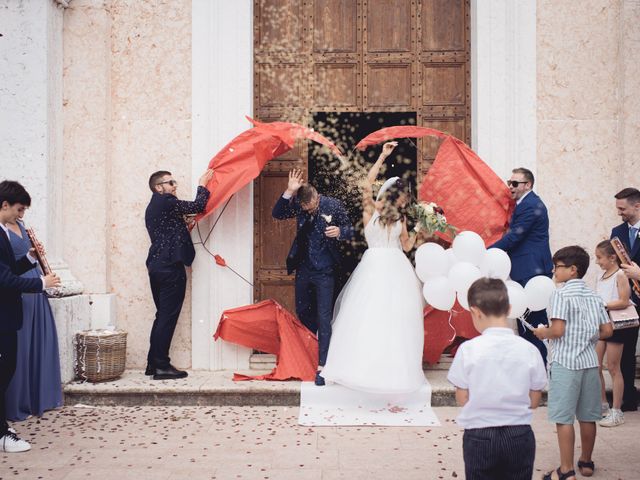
x: 430, y: 218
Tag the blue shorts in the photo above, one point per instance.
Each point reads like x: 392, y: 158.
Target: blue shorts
x: 573, y: 394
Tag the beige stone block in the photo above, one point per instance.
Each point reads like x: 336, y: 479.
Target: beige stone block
x: 578, y: 168
x: 577, y: 59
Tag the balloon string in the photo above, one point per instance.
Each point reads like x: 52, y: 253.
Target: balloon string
x: 451, y: 325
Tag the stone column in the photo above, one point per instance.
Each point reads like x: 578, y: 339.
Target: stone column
x: 503, y: 82
x: 222, y: 93
x: 31, y: 139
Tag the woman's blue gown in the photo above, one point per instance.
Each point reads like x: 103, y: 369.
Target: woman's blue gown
x: 36, y: 385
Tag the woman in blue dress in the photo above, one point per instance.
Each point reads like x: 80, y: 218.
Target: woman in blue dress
x: 36, y: 385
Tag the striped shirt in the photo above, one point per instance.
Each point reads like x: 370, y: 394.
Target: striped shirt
x: 583, y: 312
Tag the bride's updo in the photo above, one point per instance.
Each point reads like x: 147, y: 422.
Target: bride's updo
x: 393, y: 203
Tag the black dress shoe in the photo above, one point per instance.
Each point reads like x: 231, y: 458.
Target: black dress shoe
x: 319, y: 379
x: 169, y: 373
x: 149, y: 370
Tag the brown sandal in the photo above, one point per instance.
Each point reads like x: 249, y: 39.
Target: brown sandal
x: 558, y: 475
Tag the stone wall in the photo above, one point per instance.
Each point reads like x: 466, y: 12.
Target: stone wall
x: 588, y: 114
x: 127, y: 113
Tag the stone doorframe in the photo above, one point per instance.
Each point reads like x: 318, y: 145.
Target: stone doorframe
x: 504, y: 123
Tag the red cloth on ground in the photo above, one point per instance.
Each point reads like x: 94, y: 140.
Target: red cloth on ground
x: 268, y: 327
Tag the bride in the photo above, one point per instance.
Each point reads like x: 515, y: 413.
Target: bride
x: 378, y: 331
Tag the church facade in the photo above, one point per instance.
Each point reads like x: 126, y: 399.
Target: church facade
x: 98, y: 94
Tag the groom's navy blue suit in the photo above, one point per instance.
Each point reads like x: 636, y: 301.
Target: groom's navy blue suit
x: 11, y: 288
x: 628, y: 360
x: 527, y: 244
x: 315, y: 259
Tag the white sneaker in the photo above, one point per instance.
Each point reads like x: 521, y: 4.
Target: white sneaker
x: 605, y: 410
x: 10, y: 443
x: 614, y: 419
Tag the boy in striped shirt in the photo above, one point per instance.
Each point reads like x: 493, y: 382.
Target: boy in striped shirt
x: 577, y: 320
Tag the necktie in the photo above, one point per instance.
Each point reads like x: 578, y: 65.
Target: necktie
x: 633, y: 234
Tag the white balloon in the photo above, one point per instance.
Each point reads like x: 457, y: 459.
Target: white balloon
x: 431, y: 261
x: 462, y: 275
x: 495, y: 264
x: 469, y: 247
x: 538, y: 291
x: 451, y: 257
x: 439, y: 293
x: 463, y: 299
x: 517, y: 299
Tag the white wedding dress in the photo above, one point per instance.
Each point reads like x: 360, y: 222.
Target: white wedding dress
x: 378, y: 331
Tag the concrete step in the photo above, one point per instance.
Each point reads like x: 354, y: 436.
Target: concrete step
x: 203, y: 388
x: 267, y: 361
x: 133, y: 388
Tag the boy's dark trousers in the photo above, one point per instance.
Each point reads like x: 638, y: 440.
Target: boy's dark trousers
x: 499, y: 453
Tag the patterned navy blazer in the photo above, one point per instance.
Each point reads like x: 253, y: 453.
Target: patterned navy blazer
x: 325, y: 252
x: 170, y: 240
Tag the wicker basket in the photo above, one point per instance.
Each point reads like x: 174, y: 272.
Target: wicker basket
x: 100, y: 354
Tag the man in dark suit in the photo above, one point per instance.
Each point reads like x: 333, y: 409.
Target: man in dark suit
x: 170, y: 251
x: 628, y: 206
x: 13, y: 200
x: 527, y: 244
x: 322, y: 222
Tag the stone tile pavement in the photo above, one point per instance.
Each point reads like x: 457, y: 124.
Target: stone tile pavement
x: 230, y: 442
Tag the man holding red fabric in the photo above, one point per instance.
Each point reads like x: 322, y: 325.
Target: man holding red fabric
x: 527, y: 243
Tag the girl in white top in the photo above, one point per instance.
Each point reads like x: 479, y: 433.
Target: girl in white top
x: 613, y: 288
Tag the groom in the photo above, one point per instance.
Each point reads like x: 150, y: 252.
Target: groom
x: 321, y: 222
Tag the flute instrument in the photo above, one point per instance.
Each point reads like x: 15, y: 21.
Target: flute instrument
x: 40, y: 254
x: 625, y: 259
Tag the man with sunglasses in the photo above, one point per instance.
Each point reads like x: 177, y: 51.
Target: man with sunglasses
x: 170, y: 251
x: 527, y: 244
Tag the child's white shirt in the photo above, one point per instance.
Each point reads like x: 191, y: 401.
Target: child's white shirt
x: 499, y: 369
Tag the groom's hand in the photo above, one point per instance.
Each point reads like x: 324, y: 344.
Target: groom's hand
x: 295, y: 181
x: 332, y: 232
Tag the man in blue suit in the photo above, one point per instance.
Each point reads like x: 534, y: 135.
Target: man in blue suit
x: 628, y: 206
x: 170, y: 251
x: 13, y: 200
x: 322, y: 222
x: 527, y: 244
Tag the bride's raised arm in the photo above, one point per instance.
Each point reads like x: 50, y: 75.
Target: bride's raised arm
x: 368, y: 205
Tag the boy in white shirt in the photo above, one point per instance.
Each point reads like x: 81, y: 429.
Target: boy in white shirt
x: 499, y: 378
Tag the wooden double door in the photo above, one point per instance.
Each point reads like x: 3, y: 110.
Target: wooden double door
x: 363, y: 56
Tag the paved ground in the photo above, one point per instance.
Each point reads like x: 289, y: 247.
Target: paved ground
x: 171, y: 443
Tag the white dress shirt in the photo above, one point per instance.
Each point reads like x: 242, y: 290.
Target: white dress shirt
x: 499, y: 369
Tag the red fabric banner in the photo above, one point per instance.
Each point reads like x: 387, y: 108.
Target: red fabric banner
x: 472, y: 196
x: 268, y: 327
x: 244, y: 157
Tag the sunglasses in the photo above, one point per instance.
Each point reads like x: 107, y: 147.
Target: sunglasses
x: 173, y: 183
x: 514, y: 183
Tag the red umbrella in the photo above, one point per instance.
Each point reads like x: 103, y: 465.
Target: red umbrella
x: 389, y: 133
x: 244, y: 157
